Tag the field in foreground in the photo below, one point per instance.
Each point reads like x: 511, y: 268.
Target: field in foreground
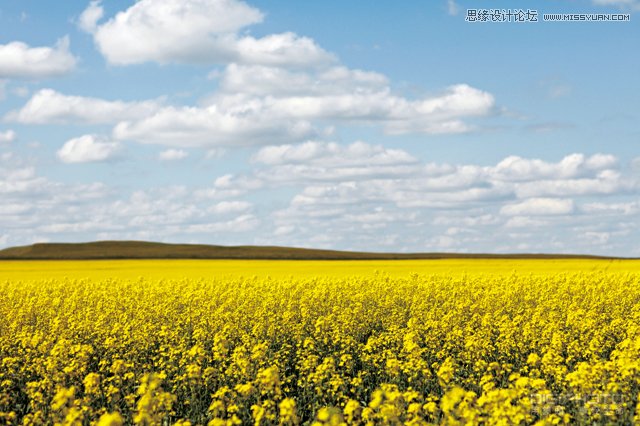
x: 465, y: 344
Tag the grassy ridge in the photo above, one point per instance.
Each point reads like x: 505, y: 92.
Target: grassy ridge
x: 152, y: 250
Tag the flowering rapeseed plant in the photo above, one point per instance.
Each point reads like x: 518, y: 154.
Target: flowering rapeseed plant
x: 425, y: 349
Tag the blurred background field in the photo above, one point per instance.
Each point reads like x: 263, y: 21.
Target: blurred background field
x: 176, y: 269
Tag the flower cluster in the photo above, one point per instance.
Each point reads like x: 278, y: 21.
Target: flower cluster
x: 419, y: 350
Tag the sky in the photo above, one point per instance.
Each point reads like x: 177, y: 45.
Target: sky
x: 354, y: 125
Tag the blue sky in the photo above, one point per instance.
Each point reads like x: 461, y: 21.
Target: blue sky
x: 347, y: 125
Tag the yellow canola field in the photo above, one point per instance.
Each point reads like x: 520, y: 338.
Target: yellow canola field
x: 416, y: 342
x: 178, y: 269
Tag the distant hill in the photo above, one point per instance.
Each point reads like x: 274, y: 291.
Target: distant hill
x: 151, y: 250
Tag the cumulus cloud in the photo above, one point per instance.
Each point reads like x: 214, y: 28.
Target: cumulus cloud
x: 603, y: 183
x: 452, y: 7
x: 88, y: 149
x: 539, y: 207
x: 226, y: 207
x: 277, y: 89
x: 339, y: 93
x: 19, y: 60
x: 242, y: 223
x: 331, y: 161
x: 571, y: 166
x: 22, y: 188
x: 211, y: 126
x: 286, y: 49
x: 394, y: 174
x: 319, y: 152
x: 265, y: 105
x: 173, y: 155
x: 88, y: 20
x: 194, y: 31
x: 524, y: 222
x: 281, y: 88
x: 626, y: 208
x: 340, y: 191
x: 260, y: 80
x: 458, y: 207
x: 50, y: 107
x: 14, y: 179
x: 38, y: 208
x: 7, y: 136
x: 430, y: 115
x: 229, y: 186
x: 214, y: 153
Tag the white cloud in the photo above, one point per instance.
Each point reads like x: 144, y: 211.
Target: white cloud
x: 331, y: 161
x: 331, y: 153
x: 7, y: 136
x: 606, y: 182
x: 464, y: 207
x: 88, y: 20
x: 173, y: 155
x: 20, y: 184
x: 574, y: 165
x: 214, y: 153
x: 370, y: 174
x: 409, y: 185
x: 439, y: 199
x: 50, y: 107
x: 229, y: 186
x: 265, y: 116
x: 41, y: 208
x: 287, y: 49
x: 539, y: 207
x: 555, y: 87
x: 195, y: 31
x: 524, y: 222
x: 88, y: 149
x: 281, y: 88
x: 18, y: 180
x: 626, y: 209
x: 437, y: 114
x: 21, y: 91
x: 209, y: 127
x: 242, y: 223
x: 284, y: 230
x: 442, y: 242
x: 598, y: 238
x: 452, y: 7
x: 226, y: 207
x: 19, y: 60
x: 15, y: 209
x: 467, y: 220
x: 260, y: 80
x: 454, y: 230
x: 442, y: 113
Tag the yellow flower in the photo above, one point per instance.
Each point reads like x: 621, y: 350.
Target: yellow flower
x: 110, y: 419
x: 288, y: 414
